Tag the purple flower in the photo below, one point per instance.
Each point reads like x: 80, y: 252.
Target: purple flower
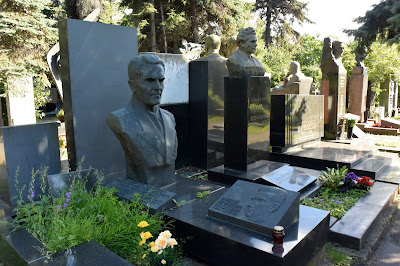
x: 345, y: 189
x: 67, y: 200
x: 321, y: 199
x: 319, y: 204
x: 65, y: 205
x: 339, y: 202
x: 352, y: 176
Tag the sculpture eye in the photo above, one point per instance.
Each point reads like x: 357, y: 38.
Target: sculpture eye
x: 161, y: 80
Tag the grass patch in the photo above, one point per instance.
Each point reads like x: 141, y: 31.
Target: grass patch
x: 336, y: 256
x: 388, y: 144
x: 337, y: 203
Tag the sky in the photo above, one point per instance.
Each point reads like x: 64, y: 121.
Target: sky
x: 332, y: 16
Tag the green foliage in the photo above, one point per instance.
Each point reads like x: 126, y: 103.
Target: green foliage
x: 79, y: 216
x: 388, y: 144
x: 337, y: 257
x: 26, y: 34
x: 60, y: 114
x: 383, y: 61
x: 179, y: 203
x: 333, y: 178
x: 203, y: 194
x: 337, y: 203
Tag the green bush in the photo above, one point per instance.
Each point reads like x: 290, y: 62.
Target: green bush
x: 334, y: 178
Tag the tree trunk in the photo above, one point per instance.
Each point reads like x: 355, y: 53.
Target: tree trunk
x: 163, y: 28
x: 268, y: 38
x: 195, y: 23
x: 153, y: 44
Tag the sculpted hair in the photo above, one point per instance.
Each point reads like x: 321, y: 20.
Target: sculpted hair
x: 137, y: 64
x: 242, y: 36
x: 280, y: 195
x: 213, y: 41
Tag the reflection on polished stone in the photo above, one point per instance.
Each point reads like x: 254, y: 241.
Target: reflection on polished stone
x: 289, y: 178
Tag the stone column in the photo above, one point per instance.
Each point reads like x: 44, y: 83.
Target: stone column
x: 358, y: 89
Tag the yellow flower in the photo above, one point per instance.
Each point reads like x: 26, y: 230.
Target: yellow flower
x: 144, y: 256
x: 166, y: 234
x: 143, y: 224
x: 142, y: 234
x: 163, y: 261
x: 146, y: 235
x: 152, y: 244
x: 155, y: 249
x: 142, y: 242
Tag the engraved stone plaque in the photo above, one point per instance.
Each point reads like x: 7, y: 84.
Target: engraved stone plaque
x: 257, y: 207
x: 289, y: 178
x: 152, y: 197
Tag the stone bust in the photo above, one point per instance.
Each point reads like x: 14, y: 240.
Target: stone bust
x: 146, y: 132
x: 332, y: 53
x: 265, y: 201
x: 294, y: 75
x: 360, y: 54
x: 212, y: 46
x: 241, y: 63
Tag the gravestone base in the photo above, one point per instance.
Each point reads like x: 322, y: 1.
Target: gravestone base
x: 222, y: 243
x: 358, y: 92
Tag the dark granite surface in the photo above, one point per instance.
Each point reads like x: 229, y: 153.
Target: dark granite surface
x: 257, y: 207
x: 26, y: 148
x: 289, y: 178
x: 247, y: 121
x: 222, y: 243
x: 301, y: 122
x: 391, y: 174
x: 255, y: 171
x: 94, y: 64
x: 88, y: 253
x: 156, y: 199
x: 372, y: 167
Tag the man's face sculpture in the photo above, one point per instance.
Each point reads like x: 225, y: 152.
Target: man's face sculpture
x: 260, y: 203
x: 249, y: 45
x: 149, y: 87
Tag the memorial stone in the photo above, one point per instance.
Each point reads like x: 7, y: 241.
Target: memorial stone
x: 23, y: 149
x: 295, y: 82
x: 370, y: 102
x: 257, y: 207
x: 333, y: 86
x: 386, y: 97
x: 154, y: 198
x: 20, y: 101
x: 296, y: 119
x: 94, y: 84
x: 396, y: 97
x: 358, y: 89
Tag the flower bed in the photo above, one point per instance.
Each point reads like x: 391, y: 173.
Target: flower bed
x: 341, y: 190
x: 79, y: 216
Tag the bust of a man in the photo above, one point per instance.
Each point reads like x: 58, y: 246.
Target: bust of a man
x: 294, y: 75
x: 212, y: 46
x: 332, y: 53
x: 241, y: 63
x: 146, y: 132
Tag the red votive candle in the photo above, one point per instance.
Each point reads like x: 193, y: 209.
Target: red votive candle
x: 278, y: 235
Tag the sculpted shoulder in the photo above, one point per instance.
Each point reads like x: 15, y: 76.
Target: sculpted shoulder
x: 115, y: 120
x: 169, y: 115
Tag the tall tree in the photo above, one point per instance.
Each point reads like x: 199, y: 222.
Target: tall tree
x: 279, y: 16
x: 26, y: 35
x: 382, y: 20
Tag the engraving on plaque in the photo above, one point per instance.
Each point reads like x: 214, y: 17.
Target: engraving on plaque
x: 229, y: 206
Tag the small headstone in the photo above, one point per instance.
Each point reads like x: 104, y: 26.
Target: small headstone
x: 152, y: 197
x: 289, y: 178
x: 257, y: 207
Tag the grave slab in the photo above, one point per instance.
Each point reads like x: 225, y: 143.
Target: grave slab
x: 95, y: 83
x: 222, y: 243
x: 372, y: 166
x: 88, y: 253
x: 357, y: 224
x: 154, y: 198
x: 390, y: 175
x: 25, y: 148
x: 390, y: 122
x: 289, y: 178
x: 257, y: 207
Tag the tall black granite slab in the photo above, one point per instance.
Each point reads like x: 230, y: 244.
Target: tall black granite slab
x: 322, y: 154
x: 296, y: 119
x: 289, y: 178
x: 26, y: 148
x: 95, y: 83
x: 154, y: 198
x: 206, y: 101
x: 88, y: 253
x: 257, y: 207
x: 224, y: 175
x: 247, y: 121
x: 222, y: 243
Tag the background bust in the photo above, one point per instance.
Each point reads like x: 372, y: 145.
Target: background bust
x: 146, y: 132
x: 241, y: 63
x: 212, y: 46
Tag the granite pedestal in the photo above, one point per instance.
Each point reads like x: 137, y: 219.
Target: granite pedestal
x: 358, y: 88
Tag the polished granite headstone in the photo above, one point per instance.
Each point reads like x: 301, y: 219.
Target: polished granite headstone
x: 223, y: 243
x: 289, y: 178
x: 206, y: 103
x: 296, y: 119
x: 95, y: 83
x: 154, y: 198
x: 23, y: 149
x: 358, y: 88
x: 333, y: 88
x: 257, y: 207
x: 247, y: 121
